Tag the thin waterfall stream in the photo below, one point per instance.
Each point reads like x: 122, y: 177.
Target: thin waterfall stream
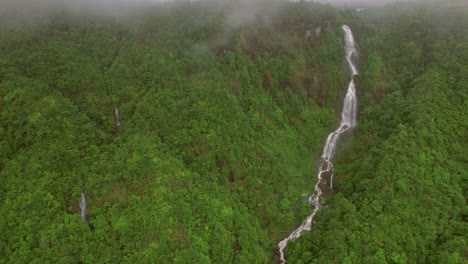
x: 347, y: 121
x: 116, y: 116
x: 83, y: 207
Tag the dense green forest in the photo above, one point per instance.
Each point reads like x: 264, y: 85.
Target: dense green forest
x: 223, y: 115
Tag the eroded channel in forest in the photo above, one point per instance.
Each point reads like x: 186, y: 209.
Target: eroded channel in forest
x: 347, y: 121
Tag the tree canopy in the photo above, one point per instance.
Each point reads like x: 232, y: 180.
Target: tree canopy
x: 222, y: 121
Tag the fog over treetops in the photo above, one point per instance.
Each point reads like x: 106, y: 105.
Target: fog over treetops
x: 49, y: 4
x: 184, y: 131
x: 23, y: 11
x: 35, y: 8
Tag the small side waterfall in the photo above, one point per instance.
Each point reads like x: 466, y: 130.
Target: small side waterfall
x: 116, y: 116
x: 83, y: 207
x: 347, y: 121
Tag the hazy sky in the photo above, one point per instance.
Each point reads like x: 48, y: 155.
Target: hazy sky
x: 366, y: 2
x: 126, y: 2
x: 14, y: 13
x: 38, y: 7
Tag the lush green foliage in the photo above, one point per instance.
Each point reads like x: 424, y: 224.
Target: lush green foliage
x: 401, y: 180
x: 220, y: 124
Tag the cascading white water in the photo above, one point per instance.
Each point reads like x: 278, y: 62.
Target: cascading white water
x: 350, y: 49
x: 347, y: 121
x: 116, y: 116
x: 83, y: 206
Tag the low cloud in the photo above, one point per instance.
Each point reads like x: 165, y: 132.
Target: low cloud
x: 240, y: 11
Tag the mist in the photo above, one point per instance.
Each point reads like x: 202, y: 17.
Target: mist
x: 35, y: 7
x: 361, y: 2
x: 105, y: 6
x: 26, y: 12
x: 18, y: 13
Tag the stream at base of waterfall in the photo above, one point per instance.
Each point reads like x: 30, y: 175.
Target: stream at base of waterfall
x: 347, y: 121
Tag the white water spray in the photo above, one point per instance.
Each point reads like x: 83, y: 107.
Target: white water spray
x: 83, y: 206
x: 347, y: 121
x: 116, y: 116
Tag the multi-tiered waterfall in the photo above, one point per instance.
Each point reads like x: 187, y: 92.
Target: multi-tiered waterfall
x: 347, y: 121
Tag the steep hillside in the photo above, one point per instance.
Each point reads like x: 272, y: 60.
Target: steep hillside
x: 219, y: 124
x: 401, y: 180
x: 194, y: 131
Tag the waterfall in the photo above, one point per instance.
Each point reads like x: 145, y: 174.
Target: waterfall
x: 83, y: 206
x: 350, y: 49
x: 116, y: 116
x: 347, y: 121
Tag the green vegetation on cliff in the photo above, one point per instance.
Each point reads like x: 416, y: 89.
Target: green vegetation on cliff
x: 223, y: 118
x: 219, y: 124
x: 402, y: 179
